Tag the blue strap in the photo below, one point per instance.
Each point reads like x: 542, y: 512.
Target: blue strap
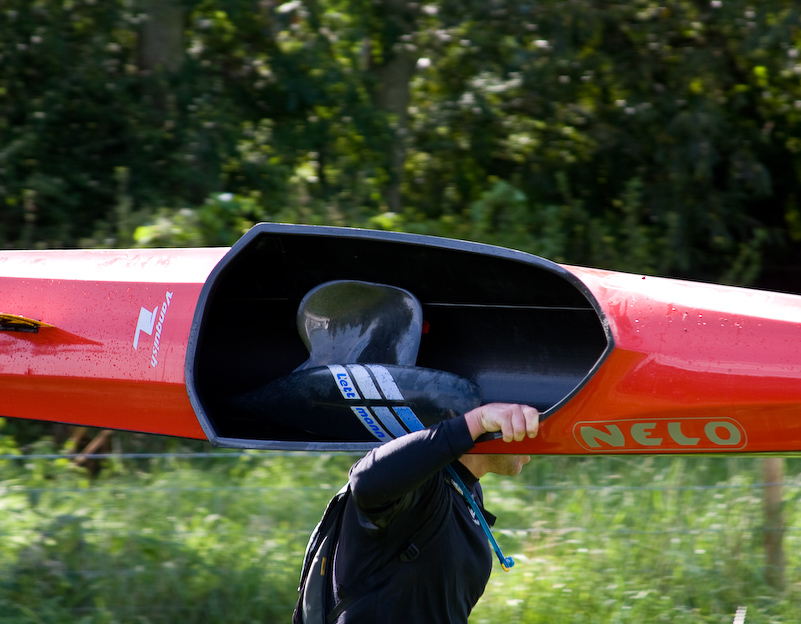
x: 506, y: 562
x: 413, y: 422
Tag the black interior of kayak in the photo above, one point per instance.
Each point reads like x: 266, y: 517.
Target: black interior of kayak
x: 521, y: 328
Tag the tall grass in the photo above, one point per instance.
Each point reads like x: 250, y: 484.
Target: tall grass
x: 645, y: 539
x: 220, y: 539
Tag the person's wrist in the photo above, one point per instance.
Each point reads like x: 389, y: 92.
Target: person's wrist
x: 474, y: 424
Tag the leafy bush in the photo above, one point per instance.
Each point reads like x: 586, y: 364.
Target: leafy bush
x: 640, y: 136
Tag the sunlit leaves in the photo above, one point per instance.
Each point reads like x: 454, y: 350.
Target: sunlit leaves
x: 569, y: 102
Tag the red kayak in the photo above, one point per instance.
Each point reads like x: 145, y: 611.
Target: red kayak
x: 322, y: 338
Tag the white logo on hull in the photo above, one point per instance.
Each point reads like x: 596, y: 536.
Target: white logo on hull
x: 148, y: 321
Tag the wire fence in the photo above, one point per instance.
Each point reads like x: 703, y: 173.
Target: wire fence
x: 162, y: 536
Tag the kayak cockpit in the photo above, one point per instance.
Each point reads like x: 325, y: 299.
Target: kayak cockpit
x: 520, y: 328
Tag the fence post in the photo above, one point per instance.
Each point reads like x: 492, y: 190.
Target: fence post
x: 773, y: 475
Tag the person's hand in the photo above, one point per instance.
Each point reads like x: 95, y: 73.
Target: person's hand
x: 514, y: 421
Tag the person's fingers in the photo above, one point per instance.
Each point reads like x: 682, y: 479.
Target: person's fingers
x: 518, y: 422
x: 493, y: 419
x: 532, y: 417
x: 515, y: 422
x: 507, y: 427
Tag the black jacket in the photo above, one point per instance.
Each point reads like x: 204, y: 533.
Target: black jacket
x: 397, y: 489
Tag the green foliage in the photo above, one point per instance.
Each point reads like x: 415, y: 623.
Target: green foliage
x: 261, y: 102
x: 76, y: 107
x: 668, y: 123
x: 596, y: 540
x: 220, y: 221
x: 8, y: 445
x: 658, y: 138
x: 159, y: 542
x: 680, y: 543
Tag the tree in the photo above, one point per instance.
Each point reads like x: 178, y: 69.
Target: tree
x: 579, y: 105
x: 392, y: 58
x: 637, y: 136
x: 161, y: 41
x: 773, y: 475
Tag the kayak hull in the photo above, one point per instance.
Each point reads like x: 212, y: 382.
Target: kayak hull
x: 160, y: 341
x: 696, y: 368
x: 82, y: 367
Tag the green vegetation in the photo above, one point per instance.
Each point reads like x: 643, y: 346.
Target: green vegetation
x: 220, y: 539
x: 643, y: 136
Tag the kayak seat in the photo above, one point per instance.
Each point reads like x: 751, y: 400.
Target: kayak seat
x: 360, y: 382
x: 353, y: 322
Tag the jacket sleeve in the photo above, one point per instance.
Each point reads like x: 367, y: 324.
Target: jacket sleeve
x: 398, y: 468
